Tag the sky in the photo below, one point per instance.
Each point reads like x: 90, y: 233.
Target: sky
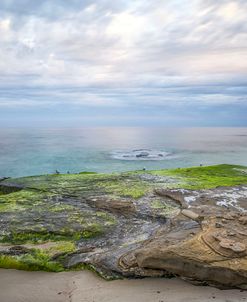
x: 123, y: 63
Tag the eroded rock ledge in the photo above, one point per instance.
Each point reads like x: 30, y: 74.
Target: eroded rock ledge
x: 130, y: 225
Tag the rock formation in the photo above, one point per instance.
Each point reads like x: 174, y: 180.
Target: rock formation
x: 129, y: 225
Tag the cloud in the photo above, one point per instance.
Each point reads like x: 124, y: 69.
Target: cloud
x: 123, y: 54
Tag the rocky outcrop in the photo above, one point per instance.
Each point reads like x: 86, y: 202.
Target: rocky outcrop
x: 214, y: 253
x: 202, y: 244
x: 199, y: 235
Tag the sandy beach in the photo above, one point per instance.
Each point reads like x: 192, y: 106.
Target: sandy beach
x: 84, y: 286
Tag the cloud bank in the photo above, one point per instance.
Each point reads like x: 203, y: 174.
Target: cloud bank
x: 137, y: 62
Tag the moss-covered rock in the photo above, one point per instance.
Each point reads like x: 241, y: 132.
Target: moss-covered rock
x: 90, y: 220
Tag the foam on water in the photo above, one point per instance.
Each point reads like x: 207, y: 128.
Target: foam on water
x: 141, y: 154
x: 33, y: 151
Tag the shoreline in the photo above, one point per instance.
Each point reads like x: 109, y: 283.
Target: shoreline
x: 85, y: 286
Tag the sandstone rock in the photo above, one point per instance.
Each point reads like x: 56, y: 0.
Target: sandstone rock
x: 124, y: 207
x: 191, y: 258
x: 243, y: 220
x: 236, y: 247
x: 174, y: 195
x: 190, y: 214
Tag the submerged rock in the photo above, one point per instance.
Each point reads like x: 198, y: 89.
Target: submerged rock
x: 142, y: 154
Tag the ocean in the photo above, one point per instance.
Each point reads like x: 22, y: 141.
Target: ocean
x: 35, y: 151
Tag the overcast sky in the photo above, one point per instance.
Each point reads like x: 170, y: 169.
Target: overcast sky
x: 123, y: 62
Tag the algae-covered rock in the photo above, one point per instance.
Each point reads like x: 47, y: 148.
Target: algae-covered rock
x: 187, y: 222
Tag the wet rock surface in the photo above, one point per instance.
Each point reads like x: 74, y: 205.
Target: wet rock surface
x: 199, y: 235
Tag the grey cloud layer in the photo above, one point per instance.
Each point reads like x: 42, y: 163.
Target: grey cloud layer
x: 123, y: 53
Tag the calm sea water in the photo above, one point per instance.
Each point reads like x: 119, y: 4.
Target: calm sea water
x: 40, y: 151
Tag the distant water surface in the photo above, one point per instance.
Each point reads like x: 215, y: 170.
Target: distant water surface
x: 41, y: 151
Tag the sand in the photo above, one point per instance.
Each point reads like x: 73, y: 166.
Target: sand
x: 84, y: 286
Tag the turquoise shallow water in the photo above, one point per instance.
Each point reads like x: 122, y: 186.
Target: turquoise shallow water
x: 40, y: 151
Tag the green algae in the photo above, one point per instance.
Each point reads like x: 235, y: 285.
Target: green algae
x: 40, y: 234
x: 87, y: 173
x: 76, y: 227
x: 20, y: 200
x: 37, y: 206
x: 39, y: 258
x: 206, y: 177
x: 61, y: 247
x: 126, y: 190
x: 84, y: 184
x: 37, y: 261
x: 125, y: 185
x: 128, y: 184
x: 163, y: 208
x: 39, y: 237
x: 60, y: 183
x: 54, y: 207
x: 61, y: 208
